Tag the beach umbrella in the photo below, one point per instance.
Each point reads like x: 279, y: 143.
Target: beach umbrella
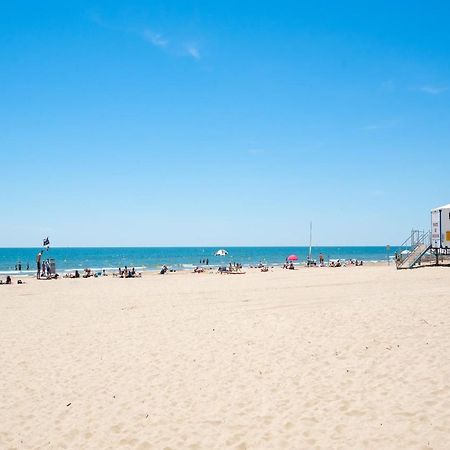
x: 292, y: 258
x: 221, y: 252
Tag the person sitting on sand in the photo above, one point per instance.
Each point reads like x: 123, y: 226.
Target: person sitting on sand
x: 199, y: 270
x: 118, y: 274
x: 87, y: 273
x: 71, y: 275
x: 8, y: 280
x: 163, y: 270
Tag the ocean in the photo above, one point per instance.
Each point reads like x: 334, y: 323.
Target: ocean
x: 179, y: 258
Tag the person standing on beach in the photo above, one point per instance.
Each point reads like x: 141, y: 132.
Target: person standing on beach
x: 38, y: 264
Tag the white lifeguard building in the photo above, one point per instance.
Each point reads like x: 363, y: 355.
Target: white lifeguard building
x: 427, y: 246
x: 440, y: 227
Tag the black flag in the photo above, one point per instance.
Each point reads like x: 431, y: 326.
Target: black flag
x: 46, y: 241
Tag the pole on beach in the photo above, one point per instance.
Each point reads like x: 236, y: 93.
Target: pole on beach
x: 310, y: 240
x: 388, y: 248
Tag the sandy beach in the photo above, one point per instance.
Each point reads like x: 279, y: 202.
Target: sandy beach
x: 325, y: 358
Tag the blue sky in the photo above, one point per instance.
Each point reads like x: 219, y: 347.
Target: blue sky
x: 222, y: 123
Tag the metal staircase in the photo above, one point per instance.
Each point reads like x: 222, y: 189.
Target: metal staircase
x: 413, y: 249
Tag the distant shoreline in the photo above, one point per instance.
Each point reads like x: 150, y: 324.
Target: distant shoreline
x: 200, y: 246
x: 178, y: 258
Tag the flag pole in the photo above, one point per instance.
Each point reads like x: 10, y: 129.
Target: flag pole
x: 310, y: 240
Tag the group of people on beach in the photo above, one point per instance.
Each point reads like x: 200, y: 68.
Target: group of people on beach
x: 356, y: 262
x: 331, y: 263
x: 88, y: 273
x: 165, y: 269
x: 9, y: 280
x: 73, y: 275
x: 234, y: 267
x: 44, y: 269
x: 343, y: 263
x: 126, y: 273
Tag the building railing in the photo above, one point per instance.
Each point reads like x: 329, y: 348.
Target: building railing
x: 417, y: 237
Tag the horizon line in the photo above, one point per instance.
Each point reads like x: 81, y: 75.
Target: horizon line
x: 198, y: 246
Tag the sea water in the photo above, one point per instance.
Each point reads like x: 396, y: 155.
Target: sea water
x: 179, y: 258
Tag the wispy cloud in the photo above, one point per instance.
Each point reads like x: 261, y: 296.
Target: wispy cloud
x: 192, y: 50
x: 379, y: 125
x: 157, y: 39
x: 432, y: 89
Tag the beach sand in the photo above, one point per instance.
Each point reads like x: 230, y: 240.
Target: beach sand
x: 313, y: 358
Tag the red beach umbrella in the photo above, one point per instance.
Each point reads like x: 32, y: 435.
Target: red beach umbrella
x: 292, y: 258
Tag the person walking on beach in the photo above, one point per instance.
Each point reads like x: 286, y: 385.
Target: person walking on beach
x: 38, y: 264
